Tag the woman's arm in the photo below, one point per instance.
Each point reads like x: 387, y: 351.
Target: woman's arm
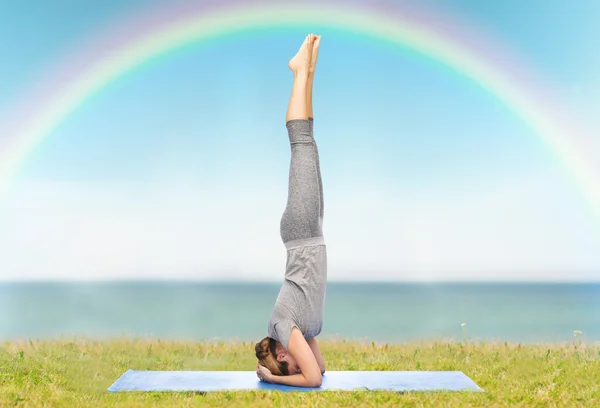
x: 310, y: 372
x: 312, y: 343
x: 296, y: 380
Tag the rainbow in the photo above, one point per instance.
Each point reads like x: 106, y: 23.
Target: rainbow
x: 148, y: 40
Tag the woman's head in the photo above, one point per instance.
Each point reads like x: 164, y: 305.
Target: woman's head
x: 271, y: 354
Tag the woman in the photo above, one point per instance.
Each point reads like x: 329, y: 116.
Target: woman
x: 290, y: 354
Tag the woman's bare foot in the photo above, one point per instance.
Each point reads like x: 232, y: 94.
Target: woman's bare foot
x: 315, y: 54
x: 301, y: 61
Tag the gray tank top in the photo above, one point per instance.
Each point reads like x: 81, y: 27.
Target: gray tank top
x: 301, y: 299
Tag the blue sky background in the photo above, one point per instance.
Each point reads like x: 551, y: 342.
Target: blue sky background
x: 179, y: 170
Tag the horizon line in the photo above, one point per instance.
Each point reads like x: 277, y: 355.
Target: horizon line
x: 279, y: 281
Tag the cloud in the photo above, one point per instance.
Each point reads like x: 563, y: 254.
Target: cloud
x: 527, y: 229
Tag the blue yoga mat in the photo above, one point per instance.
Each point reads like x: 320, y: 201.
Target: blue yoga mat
x: 205, y: 381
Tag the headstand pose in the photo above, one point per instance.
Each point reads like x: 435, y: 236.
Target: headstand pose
x: 290, y: 354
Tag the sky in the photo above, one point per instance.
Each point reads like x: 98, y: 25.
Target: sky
x: 179, y: 169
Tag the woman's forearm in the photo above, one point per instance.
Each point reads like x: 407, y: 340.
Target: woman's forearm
x: 317, y: 352
x: 295, y: 380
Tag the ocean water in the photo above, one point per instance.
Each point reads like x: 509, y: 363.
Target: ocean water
x: 381, y: 312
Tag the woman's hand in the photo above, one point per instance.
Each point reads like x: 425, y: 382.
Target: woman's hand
x: 263, y: 373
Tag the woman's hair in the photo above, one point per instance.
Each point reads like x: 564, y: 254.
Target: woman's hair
x: 267, y: 357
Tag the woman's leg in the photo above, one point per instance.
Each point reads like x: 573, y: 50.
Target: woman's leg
x: 311, y: 75
x: 302, y: 216
x: 300, y: 66
x: 309, y: 104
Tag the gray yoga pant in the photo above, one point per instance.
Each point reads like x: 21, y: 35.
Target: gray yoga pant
x: 303, y: 215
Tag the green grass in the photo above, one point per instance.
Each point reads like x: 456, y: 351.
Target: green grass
x: 77, y: 372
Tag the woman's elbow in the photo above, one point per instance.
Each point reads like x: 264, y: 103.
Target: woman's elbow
x: 315, y: 382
